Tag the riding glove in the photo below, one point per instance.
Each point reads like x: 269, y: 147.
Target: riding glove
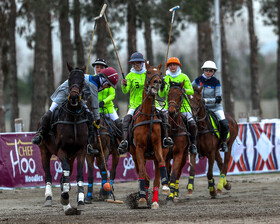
x: 97, y: 122
x: 162, y: 85
x: 218, y: 99
x: 101, y: 103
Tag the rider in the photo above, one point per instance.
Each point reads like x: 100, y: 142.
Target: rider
x: 212, y: 95
x: 106, y: 97
x: 134, y: 82
x: 174, y: 74
x: 92, y: 85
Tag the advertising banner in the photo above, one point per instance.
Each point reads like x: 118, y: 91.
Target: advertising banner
x: 20, y: 164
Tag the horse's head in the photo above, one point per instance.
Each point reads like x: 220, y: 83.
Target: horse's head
x: 76, y: 83
x: 153, y: 79
x: 175, y: 98
x: 196, y: 101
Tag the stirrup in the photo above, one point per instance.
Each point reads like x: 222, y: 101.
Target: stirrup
x: 92, y: 151
x: 224, y: 147
x: 122, y: 149
x: 193, y: 149
x: 37, y: 139
x: 167, y: 142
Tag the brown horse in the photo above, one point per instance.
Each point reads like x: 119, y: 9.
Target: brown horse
x: 178, y: 133
x: 68, y: 143
x: 147, y: 137
x: 109, y: 147
x: 209, y: 145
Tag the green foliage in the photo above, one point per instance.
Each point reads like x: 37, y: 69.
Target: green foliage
x: 269, y: 11
x: 25, y: 88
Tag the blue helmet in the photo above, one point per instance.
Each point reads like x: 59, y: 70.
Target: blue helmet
x: 136, y: 57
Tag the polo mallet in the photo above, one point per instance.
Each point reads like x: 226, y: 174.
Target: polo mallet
x: 103, y: 156
x: 96, y: 18
x: 172, y: 20
x: 114, y: 45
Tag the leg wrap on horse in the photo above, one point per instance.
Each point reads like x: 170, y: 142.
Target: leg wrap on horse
x: 176, y: 194
x: 167, y: 141
x: 142, y: 191
x: 163, y: 175
x: 81, y: 195
x: 123, y: 147
x: 224, y: 132
x: 190, y: 185
x: 44, y: 129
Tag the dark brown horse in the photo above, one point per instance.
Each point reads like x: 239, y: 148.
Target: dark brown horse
x: 109, y: 147
x: 147, y: 137
x: 178, y: 133
x: 68, y: 143
x: 209, y: 145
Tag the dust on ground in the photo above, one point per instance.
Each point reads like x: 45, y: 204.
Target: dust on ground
x: 252, y: 199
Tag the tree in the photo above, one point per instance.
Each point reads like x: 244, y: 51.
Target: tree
x: 271, y: 10
x: 255, y: 88
x: 39, y: 94
x: 66, y: 44
x: 131, y: 27
x: 77, y: 35
x: 13, y: 65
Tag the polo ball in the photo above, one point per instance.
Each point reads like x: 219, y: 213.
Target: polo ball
x: 107, y: 187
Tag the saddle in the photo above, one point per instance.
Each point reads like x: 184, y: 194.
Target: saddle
x: 113, y: 130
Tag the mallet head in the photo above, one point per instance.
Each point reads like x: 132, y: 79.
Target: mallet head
x: 174, y: 8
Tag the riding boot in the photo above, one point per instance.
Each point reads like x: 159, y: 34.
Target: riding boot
x: 167, y: 141
x: 90, y: 150
x: 224, y: 132
x: 123, y: 147
x: 119, y: 132
x: 192, y: 128
x: 44, y: 129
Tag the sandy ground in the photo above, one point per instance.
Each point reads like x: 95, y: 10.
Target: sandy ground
x: 252, y: 199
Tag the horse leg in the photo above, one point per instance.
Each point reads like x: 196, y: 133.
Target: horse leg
x: 211, y: 182
x: 90, y: 161
x: 46, y: 156
x: 190, y: 186
x: 176, y: 167
x: 100, y: 163
x: 176, y: 193
x: 115, y: 162
x: 80, y: 180
x: 142, y: 202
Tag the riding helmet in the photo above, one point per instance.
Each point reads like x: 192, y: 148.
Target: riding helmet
x: 137, y: 56
x: 174, y: 60
x: 111, y: 76
x: 210, y: 65
x: 100, y: 61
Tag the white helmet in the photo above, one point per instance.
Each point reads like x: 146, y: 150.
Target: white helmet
x: 209, y: 64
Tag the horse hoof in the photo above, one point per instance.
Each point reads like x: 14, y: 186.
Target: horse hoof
x: 81, y: 206
x: 48, y: 203
x: 190, y: 192
x: 155, y: 205
x: 72, y: 211
x: 64, y: 201
x: 88, y: 200
x: 170, y: 202
x: 142, y: 203
x: 213, y: 194
x: 165, y: 190
x: 219, y: 192
x: 176, y: 199
x: 227, y: 186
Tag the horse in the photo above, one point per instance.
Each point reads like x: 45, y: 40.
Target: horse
x: 147, y: 139
x: 68, y: 143
x: 209, y: 145
x: 179, y: 134
x: 109, y: 147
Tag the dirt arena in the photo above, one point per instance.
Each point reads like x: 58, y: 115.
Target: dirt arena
x: 252, y: 199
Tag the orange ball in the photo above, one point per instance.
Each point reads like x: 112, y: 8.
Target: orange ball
x: 107, y: 187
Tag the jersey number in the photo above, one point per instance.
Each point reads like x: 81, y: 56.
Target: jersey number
x: 137, y: 85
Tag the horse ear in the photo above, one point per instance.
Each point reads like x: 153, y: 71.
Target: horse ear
x: 200, y: 88
x: 70, y: 68
x: 159, y: 67
x: 147, y: 65
x: 182, y: 84
x: 84, y: 68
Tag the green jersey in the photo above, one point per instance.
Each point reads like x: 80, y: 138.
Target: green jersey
x: 107, y: 95
x: 187, y: 87
x: 135, y: 84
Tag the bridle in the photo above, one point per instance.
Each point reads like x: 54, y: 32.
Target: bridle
x: 173, y: 103
x: 75, y: 89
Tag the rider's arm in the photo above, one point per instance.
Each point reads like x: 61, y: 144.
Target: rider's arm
x: 125, y: 89
x: 61, y: 93
x: 188, y: 86
x: 111, y: 95
x: 93, y: 87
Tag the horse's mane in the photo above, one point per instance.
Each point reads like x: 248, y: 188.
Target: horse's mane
x: 175, y: 84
